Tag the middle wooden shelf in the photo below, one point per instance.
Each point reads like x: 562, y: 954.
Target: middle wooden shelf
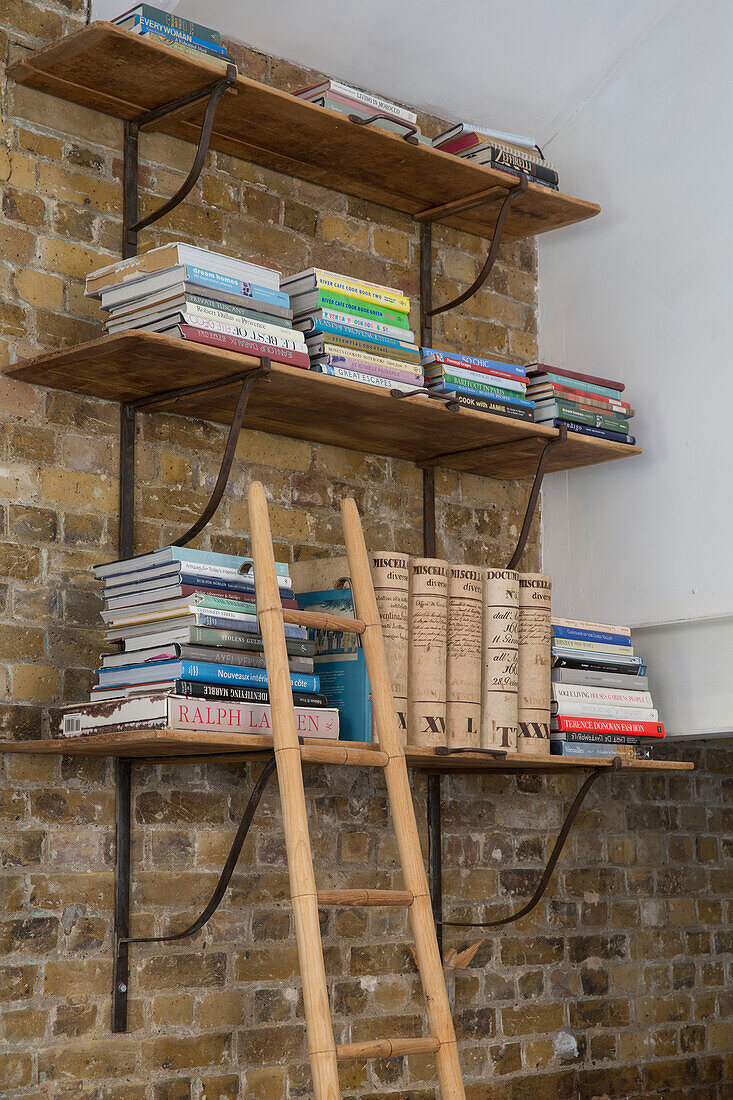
x: 304, y: 404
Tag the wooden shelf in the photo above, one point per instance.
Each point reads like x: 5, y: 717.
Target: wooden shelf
x: 306, y: 405
x: 228, y: 747
x: 121, y: 74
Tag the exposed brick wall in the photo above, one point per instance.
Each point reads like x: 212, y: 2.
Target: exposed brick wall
x: 630, y: 955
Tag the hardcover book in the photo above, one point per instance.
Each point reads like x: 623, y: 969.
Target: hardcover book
x: 428, y: 626
x: 499, y: 702
x: 463, y: 657
x: 315, y: 279
x: 535, y: 591
x: 179, y: 254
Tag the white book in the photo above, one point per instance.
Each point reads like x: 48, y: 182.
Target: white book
x: 251, y: 330
x: 179, y: 253
x: 340, y: 352
x: 578, y: 624
x: 152, y: 569
x: 178, y: 712
x: 497, y: 135
x: 607, y: 710
x: 304, y: 280
x: 374, y: 101
x: 436, y: 374
x: 600, y: 696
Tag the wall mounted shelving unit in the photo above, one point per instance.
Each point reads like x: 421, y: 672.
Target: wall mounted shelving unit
x: 150, y: 87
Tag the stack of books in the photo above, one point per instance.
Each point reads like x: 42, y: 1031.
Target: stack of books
x: 346, y: 100
x: 601, y: 705
x: 503, y: 152
x: 487, y: 385
x: 183, y: 35
x: 355, y: 330
x: 582, y: 402
x: 201, y: 296
x: 191, y: 650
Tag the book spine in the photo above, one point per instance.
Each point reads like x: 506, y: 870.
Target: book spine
x: 194, y: 560
x: 464, y: 370
x: 596, y: 402
x: 178, y: 23
x: 598, y: 655
x: 189, y: 48
x: 610, y: 725
x: 427, y: 631
x: 577, y: 737
x: 367, y: 340
x: 595, y: 420
x: 202, y: 276
x: 463, y: 657
x: 605, y: 386
x: 589, y: 634
x: 362, y: 366
x: 449, y: 385
x: 351, y: 288
x: 513, y: 162
x: 609, y: 710
x: 219, y: 620
x: 246, y: 347
x: 588, y: 678
x: 277, y: 336
x: 164, y: 29
x: 200, y: 690
x: 600, y: 696
x: 200, y: 635
x: 364, y: 379
x: 474, y: 377
x: 491, y: 405
x: 238, y: 657
x: 600, y: 433
x: 623, y: 649
x: 580, y: 625
x: 363, y: 324
x: 391, y: 581
x: 228, y: 674
x: 341, y: 303
x: 628, y: 752
x: 225, y: 311
x: 373, y: 358
x: 535, y: 594
x: 580, y: 664
x: 381, y: 106
x: 356, y: 345
x: 243, y: 718
x: 500, y: 673
x: 454, y: 359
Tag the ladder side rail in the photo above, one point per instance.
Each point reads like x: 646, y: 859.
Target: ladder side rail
x: 403, y: 810
x: 321, y: 1044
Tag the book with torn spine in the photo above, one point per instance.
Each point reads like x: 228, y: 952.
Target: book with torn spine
x: 499, y: 702
x: 463, y: 657
x: 428, y: 625
x: 535, y: 593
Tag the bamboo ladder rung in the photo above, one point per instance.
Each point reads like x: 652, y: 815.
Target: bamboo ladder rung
x: 317, y: 620
x: 387, y: 1048
x: 365, y: 897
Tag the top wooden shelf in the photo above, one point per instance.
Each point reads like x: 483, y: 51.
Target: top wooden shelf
x: 186, y: 745
x: 121, y: 74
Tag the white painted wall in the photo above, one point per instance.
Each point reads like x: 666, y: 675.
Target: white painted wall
x: 644, y: 293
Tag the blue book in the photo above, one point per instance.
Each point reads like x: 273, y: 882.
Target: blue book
x: 360, y: 334
x: 600, y: 433
x: 473, y: 361
x: 219, y: 622
x: 183, y: 554
x: 214, y: 281
x: 151, y: 26
x: 201, y: 671
x: 590, y: 635
x: 485, y: 391
x: 341, y: 665
x: 149, y: 11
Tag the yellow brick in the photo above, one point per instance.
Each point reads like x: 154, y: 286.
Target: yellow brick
x: 39, y: 289
x: 274, y: 450
x: 266, y: 1084
x: 72, y: 259
x: 388, y: 244
x: 4, y: 164
x: 332, y: 228
x: 65, y: 117
x: 23, y: 171
x: 75, y: 490
x: 80, y: 188
x: 34, y: 683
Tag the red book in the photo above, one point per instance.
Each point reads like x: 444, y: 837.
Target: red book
x: 608, y: 725
x: 594, y: 380
x: 247, y: 347
x: 589, y: 398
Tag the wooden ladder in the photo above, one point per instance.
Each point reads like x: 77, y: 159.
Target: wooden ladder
x: 323, y: 1051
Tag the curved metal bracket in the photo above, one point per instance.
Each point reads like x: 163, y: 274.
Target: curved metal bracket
x: 450, y: 400
x: 551, y: 863
x: 131, y: 225
x: 485, y: 271
x: 228, y: 457
x: 534, y: 496
x: 409, y: 136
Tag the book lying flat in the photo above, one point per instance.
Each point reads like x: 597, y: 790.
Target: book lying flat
x: 379, y: 105
x: 313, y: 321
x: 364, y: 379
x: 170, y: 558
x: 164, y: 711
x: 179, y: 254
x: 220, y: 655
x: 210, y: 637
x: 583, y: 677
x: 204, y: 671
x: 197, y: 335
x: 238, y: 290
x: 176, y: 22
x: 539, y: 369
x: 315, y: 278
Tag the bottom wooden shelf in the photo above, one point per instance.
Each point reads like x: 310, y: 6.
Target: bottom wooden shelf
x: 185, y: 745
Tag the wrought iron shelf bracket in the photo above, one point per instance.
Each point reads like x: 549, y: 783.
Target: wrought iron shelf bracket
x: 410, y: 131
x: 122, y: 886
x: 131, y: 223
x: 435, y: 849
x: 534, y: 495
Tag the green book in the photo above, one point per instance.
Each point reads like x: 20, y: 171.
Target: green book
x: 568, y: 411
x: 448, y: 380
x: 325, y: 299
x: 220, y: 603
x: 578, y: 384
x: 233, y: 639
